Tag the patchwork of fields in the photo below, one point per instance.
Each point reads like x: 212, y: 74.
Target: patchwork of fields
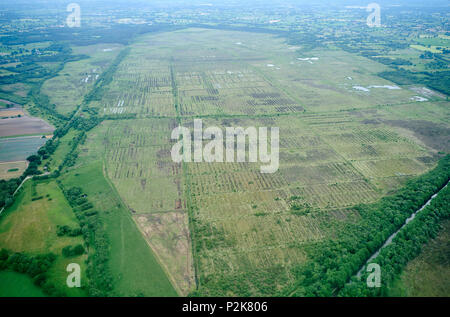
x: 20, y: 136
x: 10, y: 170
x: 66, y: 91
x: 216, y: 224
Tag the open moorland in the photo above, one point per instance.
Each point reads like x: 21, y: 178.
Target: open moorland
x: 67, y: 89
x: 86, y: 168
x: 347, y: 137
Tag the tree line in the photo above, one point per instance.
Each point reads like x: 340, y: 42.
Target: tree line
x: 406, y: 246
x: 94, y: 235
x: 34, y: 266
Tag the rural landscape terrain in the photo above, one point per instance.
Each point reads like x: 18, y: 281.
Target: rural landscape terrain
x: 87, y: 175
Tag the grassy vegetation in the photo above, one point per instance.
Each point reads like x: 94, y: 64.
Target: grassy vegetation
x: 67, y: 90
x: 340, y: 146
x: 348, y: 136
x: 151, y: 187
x: 134, y: 269
x: 30, y: 226
x: 18, y: 285
x: 12, y: 169
x: 432, y: 49
x: 64, y: 147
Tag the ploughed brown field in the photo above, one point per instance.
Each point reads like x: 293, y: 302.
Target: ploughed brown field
x: 24, y: 125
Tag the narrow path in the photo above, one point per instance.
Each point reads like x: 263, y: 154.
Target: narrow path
x: 185, y: 175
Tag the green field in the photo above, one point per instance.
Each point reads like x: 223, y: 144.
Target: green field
x: 432, y: 49
x: 30, y: 226
x: 441, y: 41
x: 18, y: 285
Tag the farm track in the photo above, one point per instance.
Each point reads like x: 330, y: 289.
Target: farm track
x: 185, y: 177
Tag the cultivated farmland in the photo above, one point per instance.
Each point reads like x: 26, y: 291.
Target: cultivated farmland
x: 18, y: 149
x: 24, y: 125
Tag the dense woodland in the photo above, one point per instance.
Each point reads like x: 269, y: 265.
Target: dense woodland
x: 34, y: 266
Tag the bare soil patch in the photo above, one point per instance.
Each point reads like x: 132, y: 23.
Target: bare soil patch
x: 24, y: 126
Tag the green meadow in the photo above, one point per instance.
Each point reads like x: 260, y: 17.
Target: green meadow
x: 135, y: 270
x: 30, y: 226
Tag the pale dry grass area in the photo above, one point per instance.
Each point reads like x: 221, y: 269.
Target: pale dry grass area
x: 11, y: 112
x: 10, y: 170
x: 168, y: 235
